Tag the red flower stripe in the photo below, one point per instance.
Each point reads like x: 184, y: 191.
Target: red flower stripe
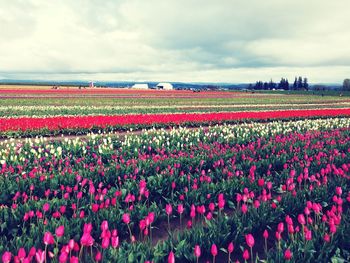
x: 86, y: 122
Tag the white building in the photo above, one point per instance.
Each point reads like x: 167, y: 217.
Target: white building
x: 140, y: 86
x: 165, y: 86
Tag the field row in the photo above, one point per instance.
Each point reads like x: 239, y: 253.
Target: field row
x: 69, y: 110
x: 84, y: 124
x: 273, y: 191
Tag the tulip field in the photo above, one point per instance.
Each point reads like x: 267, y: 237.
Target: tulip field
x: 217, y: 177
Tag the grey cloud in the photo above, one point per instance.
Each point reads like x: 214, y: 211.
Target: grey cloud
x: 228, y: 39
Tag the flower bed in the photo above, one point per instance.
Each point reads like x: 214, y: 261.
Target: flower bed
x: 276, y: 191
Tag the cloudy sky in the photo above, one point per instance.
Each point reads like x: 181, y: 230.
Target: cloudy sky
x: 175, y: 40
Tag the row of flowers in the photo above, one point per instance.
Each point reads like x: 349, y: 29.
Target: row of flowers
x: 67, y: 110
x: 276, y: 191
x: 24, y: 125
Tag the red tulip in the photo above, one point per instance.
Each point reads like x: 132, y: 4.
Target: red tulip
x: 171, y: 257
x: 250, y: 240
x: 74, y: 259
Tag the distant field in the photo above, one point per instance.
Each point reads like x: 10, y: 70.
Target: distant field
x: 44, y: 101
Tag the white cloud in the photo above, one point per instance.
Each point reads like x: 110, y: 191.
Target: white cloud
x: 179, y: 40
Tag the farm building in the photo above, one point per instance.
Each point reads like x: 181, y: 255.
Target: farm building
x: 140, y: 86
x: 164, y: 86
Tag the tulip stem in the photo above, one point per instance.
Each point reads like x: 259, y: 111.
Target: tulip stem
x: 81, y: 251
x: 130, y: 232
x: 168, y: 223
x: 251, y: 253
x: 45, y: 252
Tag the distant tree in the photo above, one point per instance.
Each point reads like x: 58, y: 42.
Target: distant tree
x: 283, y: 84
x: 266, y: 86
x: 300, y: 83
x: 346, y: 84
x: 295, y: 84
x: 305, y: 84
x: 272, y: 85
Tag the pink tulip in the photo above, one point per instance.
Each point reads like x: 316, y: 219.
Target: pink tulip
x: 74, y: 259
x: 265, y: 234
x: 40, y: 256
x: 197, y: 251
x: 338, y: 190
x: 71, y: 244
x: 230, y: 247
x: 214, y: 250
x: 246, y: 255
x: 115, y: 242
x: 250, y: 240
x: 63, y: 257
x: 308, y: 235
x: 59, y: 231
x: 171, y: 257
x: 280, y: 227
x: 6, y: 257
x: 48, y: 239
x: 287, y: 254
x: 244, y: 208
x: 168, y: 209
x: 126, y: 218
x: 104, y: 225
x: 180, y: 208
x: 22, y: 253
x: 301, y: 219
x: 86, y: 240
x: 98, y: 256
x: 105, y: 243
x: 46, y: 207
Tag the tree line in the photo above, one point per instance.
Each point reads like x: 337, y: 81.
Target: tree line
x: 299, y: 83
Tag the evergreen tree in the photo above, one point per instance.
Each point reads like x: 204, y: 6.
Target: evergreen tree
x: 305, y: 84
x: 295, y: 85
x: 300, y: 83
